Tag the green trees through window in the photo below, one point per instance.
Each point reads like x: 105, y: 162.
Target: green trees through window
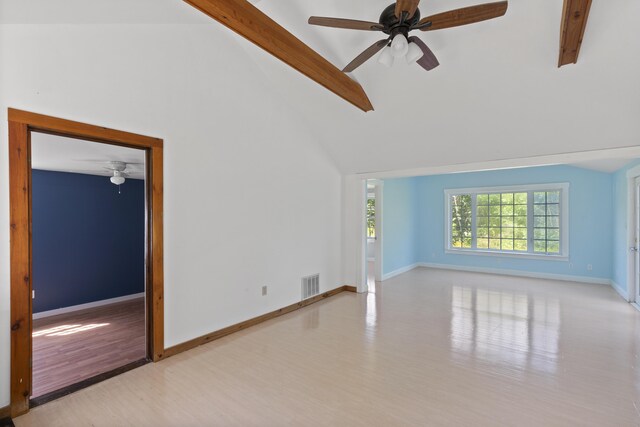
x: 371, y: 218
x: 461, y: 221
x: 502, y: 221
x: 546, y: 221
x: 513, y: 221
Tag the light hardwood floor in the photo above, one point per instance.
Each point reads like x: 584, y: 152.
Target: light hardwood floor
x: 430, y: 347
x: 72, y: 347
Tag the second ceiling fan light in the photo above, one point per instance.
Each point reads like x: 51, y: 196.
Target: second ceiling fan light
x: 386, y: 57
x: 413, y: 53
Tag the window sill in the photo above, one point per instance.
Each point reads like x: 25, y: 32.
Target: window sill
x: 508, y: 254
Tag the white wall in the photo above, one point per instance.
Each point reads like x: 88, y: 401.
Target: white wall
x: 353, y: 232
x: 240, y: 166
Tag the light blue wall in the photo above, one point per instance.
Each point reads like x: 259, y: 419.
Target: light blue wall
x: 400, y: 211
x: 620, y: 249
x: 590, y: 219
x: 414, y: 221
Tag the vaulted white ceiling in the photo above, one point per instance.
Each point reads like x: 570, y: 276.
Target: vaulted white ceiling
x: 497, y: 94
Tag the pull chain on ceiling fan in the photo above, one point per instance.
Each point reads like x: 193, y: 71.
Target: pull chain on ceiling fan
x: 398, y: 19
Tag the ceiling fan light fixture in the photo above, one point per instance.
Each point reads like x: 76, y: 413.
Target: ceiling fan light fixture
x: 117, y: 180
x: 413, y: 53
x: 398, y: 20
x: 386, y: 57
x: 399, y: 46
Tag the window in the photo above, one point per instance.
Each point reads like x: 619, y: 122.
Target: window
x: 371, y: 218
x: 461, y: 221
x: 546, y: 222
x: 525, y: 220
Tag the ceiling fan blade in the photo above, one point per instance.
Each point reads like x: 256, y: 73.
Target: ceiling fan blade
x: 464, y: 16
x: 364, y: 56
x: 428, y: 61
x: 86, y: 172
x: 408, y: 6
x: 103, y: 160
x: 253, y: 24
x: 349, y: 24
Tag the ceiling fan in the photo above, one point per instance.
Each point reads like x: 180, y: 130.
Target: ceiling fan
x: 116, y: 169
x: 398, y: 19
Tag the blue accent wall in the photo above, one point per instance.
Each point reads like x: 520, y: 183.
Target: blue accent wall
x: 400, y: 221
x: 590, y: 219
x: 88, y: 240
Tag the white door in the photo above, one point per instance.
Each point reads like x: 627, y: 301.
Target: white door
x: 636, y: 219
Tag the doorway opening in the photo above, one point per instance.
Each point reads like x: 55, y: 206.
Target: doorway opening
x: 48, y: 319
x: 88, y: 255
x: 373, y: 235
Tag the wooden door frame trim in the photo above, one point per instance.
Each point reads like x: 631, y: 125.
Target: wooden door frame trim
x: 21, y: 124
x: 5, y: 413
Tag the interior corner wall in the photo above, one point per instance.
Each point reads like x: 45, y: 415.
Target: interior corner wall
x: 250, y: 198
x: 590, y: 220
x: 400, y: 222
x: 88, y: 239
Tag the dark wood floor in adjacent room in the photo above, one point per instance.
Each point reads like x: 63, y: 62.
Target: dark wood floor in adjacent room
x: 72, y: 347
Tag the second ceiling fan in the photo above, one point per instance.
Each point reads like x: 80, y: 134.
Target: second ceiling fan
x: 398, y: 19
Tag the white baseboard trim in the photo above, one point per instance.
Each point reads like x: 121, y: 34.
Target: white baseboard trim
x: 73, y: 308
x: 399, y: 271
x: 506, y: 272
x: 623, y: 293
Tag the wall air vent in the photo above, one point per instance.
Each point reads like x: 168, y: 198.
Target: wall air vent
x: 310, y: 286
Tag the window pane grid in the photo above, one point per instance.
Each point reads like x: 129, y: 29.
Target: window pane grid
x: 501, y: 221
x: 461, y: 219
x: 508, y: 221
x: 546, y: 222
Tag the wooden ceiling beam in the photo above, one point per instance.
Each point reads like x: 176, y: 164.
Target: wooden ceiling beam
x: 251, y: 23
x: 575, y: 14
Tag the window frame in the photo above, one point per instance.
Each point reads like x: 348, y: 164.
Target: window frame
x: 563, y: 188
